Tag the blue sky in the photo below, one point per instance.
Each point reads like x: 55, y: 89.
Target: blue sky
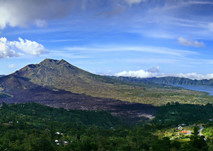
x: 141, y: 38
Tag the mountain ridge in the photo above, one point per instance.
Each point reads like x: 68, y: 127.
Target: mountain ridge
x: 169, y: 80
x: 61, y: 78
x: 59, y: 74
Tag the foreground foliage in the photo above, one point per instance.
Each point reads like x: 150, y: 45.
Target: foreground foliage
x: 175, y: 113
x: 34, y: 127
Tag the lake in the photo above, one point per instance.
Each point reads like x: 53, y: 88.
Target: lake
x: 208, y: 89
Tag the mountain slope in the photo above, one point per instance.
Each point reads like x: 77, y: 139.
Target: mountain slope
x: 15, y: 89
x: 60, y: 76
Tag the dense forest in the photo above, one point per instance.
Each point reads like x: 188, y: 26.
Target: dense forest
x: 175, y: 113
x: 33, y: 127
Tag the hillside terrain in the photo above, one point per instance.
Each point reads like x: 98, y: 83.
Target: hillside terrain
x: 168, y: 81
x: 61, y: 75
x: 20, y: 90
x: 181, y: 81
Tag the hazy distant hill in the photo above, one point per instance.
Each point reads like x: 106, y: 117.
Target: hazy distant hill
x: 166, y: 80
x: 171, y: 81
x: 181, y: 81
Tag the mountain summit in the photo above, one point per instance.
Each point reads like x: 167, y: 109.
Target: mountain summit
x: 59, y: 74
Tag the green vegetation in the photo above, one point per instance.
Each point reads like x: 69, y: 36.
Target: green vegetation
x: 182, y: 122
x: 33, y: 127
x: 175, y: 113
x: 39, y: 115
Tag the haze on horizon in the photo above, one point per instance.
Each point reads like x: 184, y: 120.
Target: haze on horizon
x: 140, y: 38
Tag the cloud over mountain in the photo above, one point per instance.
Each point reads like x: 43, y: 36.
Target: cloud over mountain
x: 154, y: 72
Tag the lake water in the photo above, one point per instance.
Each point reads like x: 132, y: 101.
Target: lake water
x: 208, y: 89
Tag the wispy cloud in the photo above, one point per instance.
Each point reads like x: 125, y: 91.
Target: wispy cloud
x: 11, y: 66
x: 187, y: 42
x: 130, y: 2
x: 145, y: 49
x: 152, y: 60
x: 65, y: 54
x: 168, y: 17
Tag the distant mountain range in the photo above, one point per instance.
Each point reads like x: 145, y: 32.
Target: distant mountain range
x: 168, y: 81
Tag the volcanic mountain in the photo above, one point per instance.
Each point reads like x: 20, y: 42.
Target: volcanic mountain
x: 59, y: 84
x: 61, y: 75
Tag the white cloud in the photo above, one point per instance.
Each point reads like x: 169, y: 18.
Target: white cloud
x: 149, y: 74
x: 195, y: 76
x: 11, y: 66
x: 6, y: 51
x: 138, y: 74
x: 152, y: 72
x: 23, y: 12
x: 130, y: 2
x: 38, y: 12
x: 29, y: 47
x: 18, y: 48
x: 187, y: 42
